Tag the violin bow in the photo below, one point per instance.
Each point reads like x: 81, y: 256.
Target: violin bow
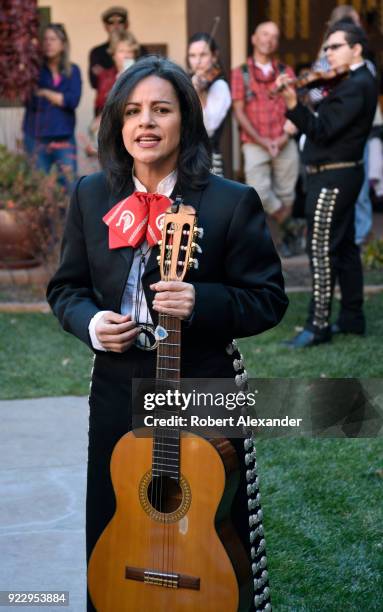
x: 214, y: 28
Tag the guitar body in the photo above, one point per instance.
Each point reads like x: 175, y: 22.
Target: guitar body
x: 183, y: 539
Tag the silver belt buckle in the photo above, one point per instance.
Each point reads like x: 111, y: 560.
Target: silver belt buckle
x: 146, y: 340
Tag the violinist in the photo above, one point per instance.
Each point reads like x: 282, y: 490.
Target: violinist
x: 363, y: 207
x: 333, y: 156
x: 212, y: 89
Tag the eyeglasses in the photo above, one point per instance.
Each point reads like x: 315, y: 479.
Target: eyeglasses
x: 334, y: 47
x: 114, y: 20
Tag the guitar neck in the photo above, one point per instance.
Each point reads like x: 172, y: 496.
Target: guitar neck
x: 166, y: 441
x: 169, y: 351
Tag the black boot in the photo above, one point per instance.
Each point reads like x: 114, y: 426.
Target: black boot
x: 307, y: 338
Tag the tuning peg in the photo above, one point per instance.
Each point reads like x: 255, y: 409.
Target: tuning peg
x: 159, y: 243
x: 198, y: 231
x: 196, y: 247
x: 158, y: 258
x: 193, y: 263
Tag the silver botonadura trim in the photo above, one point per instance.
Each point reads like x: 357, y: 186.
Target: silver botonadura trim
x: 256, y: 532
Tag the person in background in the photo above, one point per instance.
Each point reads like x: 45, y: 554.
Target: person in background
x: 363, y: 207
x: 336, y: 136
x: 49, y: 120
x: 124, y: 50
x: 212, y: 89
x: 269, y: 149
x: 115, y: 21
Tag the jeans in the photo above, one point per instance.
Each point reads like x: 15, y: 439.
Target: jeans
x: 61, y: 152
x: 363, y: 207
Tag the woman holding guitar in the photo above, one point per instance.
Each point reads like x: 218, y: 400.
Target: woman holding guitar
x: 107, y: 291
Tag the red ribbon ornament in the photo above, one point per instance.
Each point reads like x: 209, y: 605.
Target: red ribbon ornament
x: 135, y: 218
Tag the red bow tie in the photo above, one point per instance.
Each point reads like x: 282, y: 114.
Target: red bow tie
x: 135, y: 218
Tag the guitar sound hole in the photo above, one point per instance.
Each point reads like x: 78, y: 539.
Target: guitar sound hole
x: 164, y: 494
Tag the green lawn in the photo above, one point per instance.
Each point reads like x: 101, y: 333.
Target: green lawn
x: 346, y: 356
x: 323, y: 518
x: 37, y: 358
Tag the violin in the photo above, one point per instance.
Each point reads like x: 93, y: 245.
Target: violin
x: 202, y: 82
x: 315, y: 78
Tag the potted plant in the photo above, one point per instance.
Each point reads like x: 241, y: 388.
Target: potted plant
x: 32, y: 210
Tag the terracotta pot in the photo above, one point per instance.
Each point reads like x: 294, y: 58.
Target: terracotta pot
x: 17, y: 248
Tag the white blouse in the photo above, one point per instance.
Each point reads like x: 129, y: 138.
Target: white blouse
x: 217, y: 104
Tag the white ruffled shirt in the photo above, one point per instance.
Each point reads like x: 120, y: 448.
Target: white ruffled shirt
x: 128, y: 304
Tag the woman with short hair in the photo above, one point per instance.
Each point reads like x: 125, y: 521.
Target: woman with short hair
x: 124, y: 50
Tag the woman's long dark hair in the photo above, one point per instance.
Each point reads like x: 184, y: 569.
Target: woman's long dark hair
x: 194, y: 158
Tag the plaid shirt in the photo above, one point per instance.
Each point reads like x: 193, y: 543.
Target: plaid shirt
x: 267, y: 114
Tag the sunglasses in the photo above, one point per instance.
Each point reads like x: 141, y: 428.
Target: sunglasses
x: 114, y: 20
x: 334, y: 47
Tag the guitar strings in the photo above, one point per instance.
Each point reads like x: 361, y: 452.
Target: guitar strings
x: 166, y: 436
x: 169, y: 526
x: 167, y: 371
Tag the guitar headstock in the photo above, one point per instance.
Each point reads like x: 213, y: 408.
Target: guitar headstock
x: 178, y: 245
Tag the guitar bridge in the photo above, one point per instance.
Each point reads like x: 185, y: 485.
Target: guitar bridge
x: 164, y: 579
x: 161, y: 579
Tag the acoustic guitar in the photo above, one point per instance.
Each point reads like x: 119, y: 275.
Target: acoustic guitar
x: 170, y: 546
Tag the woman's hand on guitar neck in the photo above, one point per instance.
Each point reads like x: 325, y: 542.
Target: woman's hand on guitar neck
x: 174, y: 298
x: 116, y: 332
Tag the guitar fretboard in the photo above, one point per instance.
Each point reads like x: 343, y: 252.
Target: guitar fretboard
x: 166, y: 442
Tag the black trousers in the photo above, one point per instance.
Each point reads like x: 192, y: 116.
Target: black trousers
x: 330, y: 213
x: 110, y: 419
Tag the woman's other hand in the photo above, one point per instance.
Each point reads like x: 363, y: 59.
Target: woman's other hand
x: 54, y: 97
x: 174, y: 298
x: 116, y: 332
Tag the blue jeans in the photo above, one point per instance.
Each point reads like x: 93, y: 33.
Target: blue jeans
x: 59, y: 152
x: 363, y: 207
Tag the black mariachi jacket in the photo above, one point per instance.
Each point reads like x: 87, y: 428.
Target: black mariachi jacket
x: 339, y: 131
x: 239, y: 285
